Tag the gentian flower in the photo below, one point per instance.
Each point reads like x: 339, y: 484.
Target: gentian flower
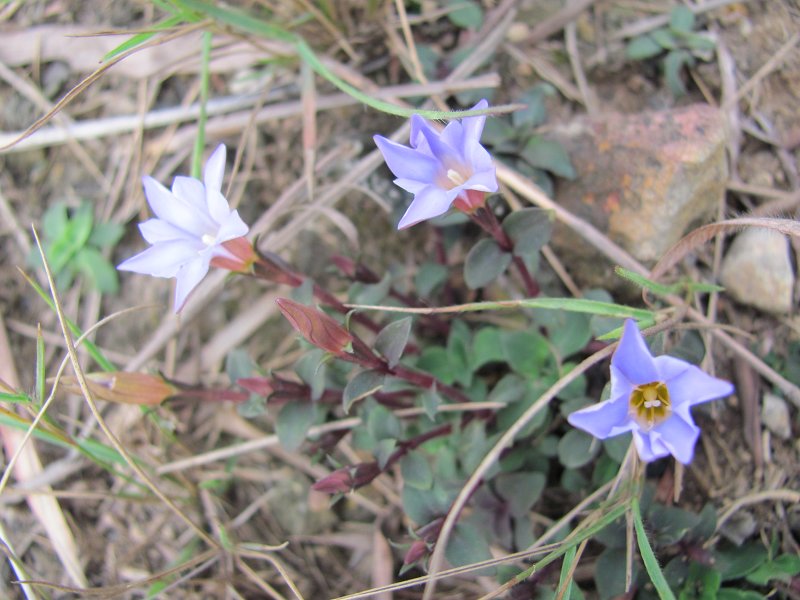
x: 651, y: 397
x: 194, y: 226
x: 441, y: 168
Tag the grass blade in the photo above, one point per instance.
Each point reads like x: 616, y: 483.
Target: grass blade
x: 648, y: 557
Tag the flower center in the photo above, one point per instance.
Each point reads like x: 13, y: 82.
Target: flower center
x: 649, y: 404
x: 456, y: 177
x: 208, y: 239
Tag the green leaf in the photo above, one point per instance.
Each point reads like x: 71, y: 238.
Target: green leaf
x: 486, y: 347
x: 681, y: 19
x: 72, y: 238
x: 526, y: 352
x: 670, y: 524
x: 383, y: 425
x: 436, y: 361
x: 484, y: 263
x: 576, y: 449
x: 363, y: 384
x: 384, y: 450
x: 416, y: 470
x: 520, y: 490
x: 509, y: 389
x: 609, y: 573
x: 312, y: 370
x: 535, y: 113
x: 294, y: 421
x: 642, y: 47
x: 702, y: 583
x: 54, y: 221
x: 430, y: 276
x: 665, y: 39
x: 783, y: 568
x: 467, y: 546
x: 465, y: 13
x: 568, y: 332
x: 239, y: 365
x: 106, y: 235
x: 734, y: 594
x: 735, y: 563
x: 101, y: 274
x: 529, y: 229
x: 673, y: 64
x: 431, y: 401
x: 392, y: 340
x: 548, y: 155
x: 617, y: 446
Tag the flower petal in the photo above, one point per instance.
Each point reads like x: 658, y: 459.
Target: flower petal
x: 649, y: 449
x: 484, y: 181
x: 162, y: 260
x: 689, y: 385
x: 605, y: 419
x: 217, y: 206
x: 410, y: 185
x: 156, y: 231
x: 428, y: 203
x: 632, y: 358
x: 188, y: 277
x: 168, y: 207
x: 407, y: 163
x: 190, y: 190
x: 678, y: 436
x: 214, y: 170
x: 232, y: 227
x: 453, y: 135
x: 473, y: 126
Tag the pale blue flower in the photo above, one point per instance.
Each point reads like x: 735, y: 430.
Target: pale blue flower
x: 192, y: 222
x: 440, y: 167
x: 651, y: 397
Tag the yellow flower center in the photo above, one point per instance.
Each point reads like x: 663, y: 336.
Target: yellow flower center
x: 649, y: 404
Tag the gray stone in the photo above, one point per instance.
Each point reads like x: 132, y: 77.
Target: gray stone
x: 757, y: 270
x: 775, y: 415
x: 643, y: 179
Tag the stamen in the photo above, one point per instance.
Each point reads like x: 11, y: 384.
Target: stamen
x: 649, y: 404
x: 208, y: 239
x: 456, y: 177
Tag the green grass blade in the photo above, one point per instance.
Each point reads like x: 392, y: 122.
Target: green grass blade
x: 648, y: 557
x: 40, y: 366
x: 564, y: 581
x: 250, y: 24
x: 643, y: 282
x: 200, y: 140
x: 15, y: 398
x: 94, y: 351
x: 571, y: 542
x: 141, y: 38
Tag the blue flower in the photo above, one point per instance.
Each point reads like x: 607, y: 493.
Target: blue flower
x: 192, y: 224
x: 440, y: 168
x: 651, y: 397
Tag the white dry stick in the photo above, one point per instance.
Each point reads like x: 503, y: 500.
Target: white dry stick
x: 44, y: 506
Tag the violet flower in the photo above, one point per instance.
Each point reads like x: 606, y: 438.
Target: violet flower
x: 441, y: 168
x: 651, y: 397
x: 192, y: 223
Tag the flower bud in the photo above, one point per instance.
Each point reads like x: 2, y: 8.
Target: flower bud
x: 416, y: 552
x: 338, y: 482
x: 316, y: 327
x: 239, y: 256
x: 125, y: 388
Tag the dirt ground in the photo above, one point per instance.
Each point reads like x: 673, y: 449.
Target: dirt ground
x: 117, y: 534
